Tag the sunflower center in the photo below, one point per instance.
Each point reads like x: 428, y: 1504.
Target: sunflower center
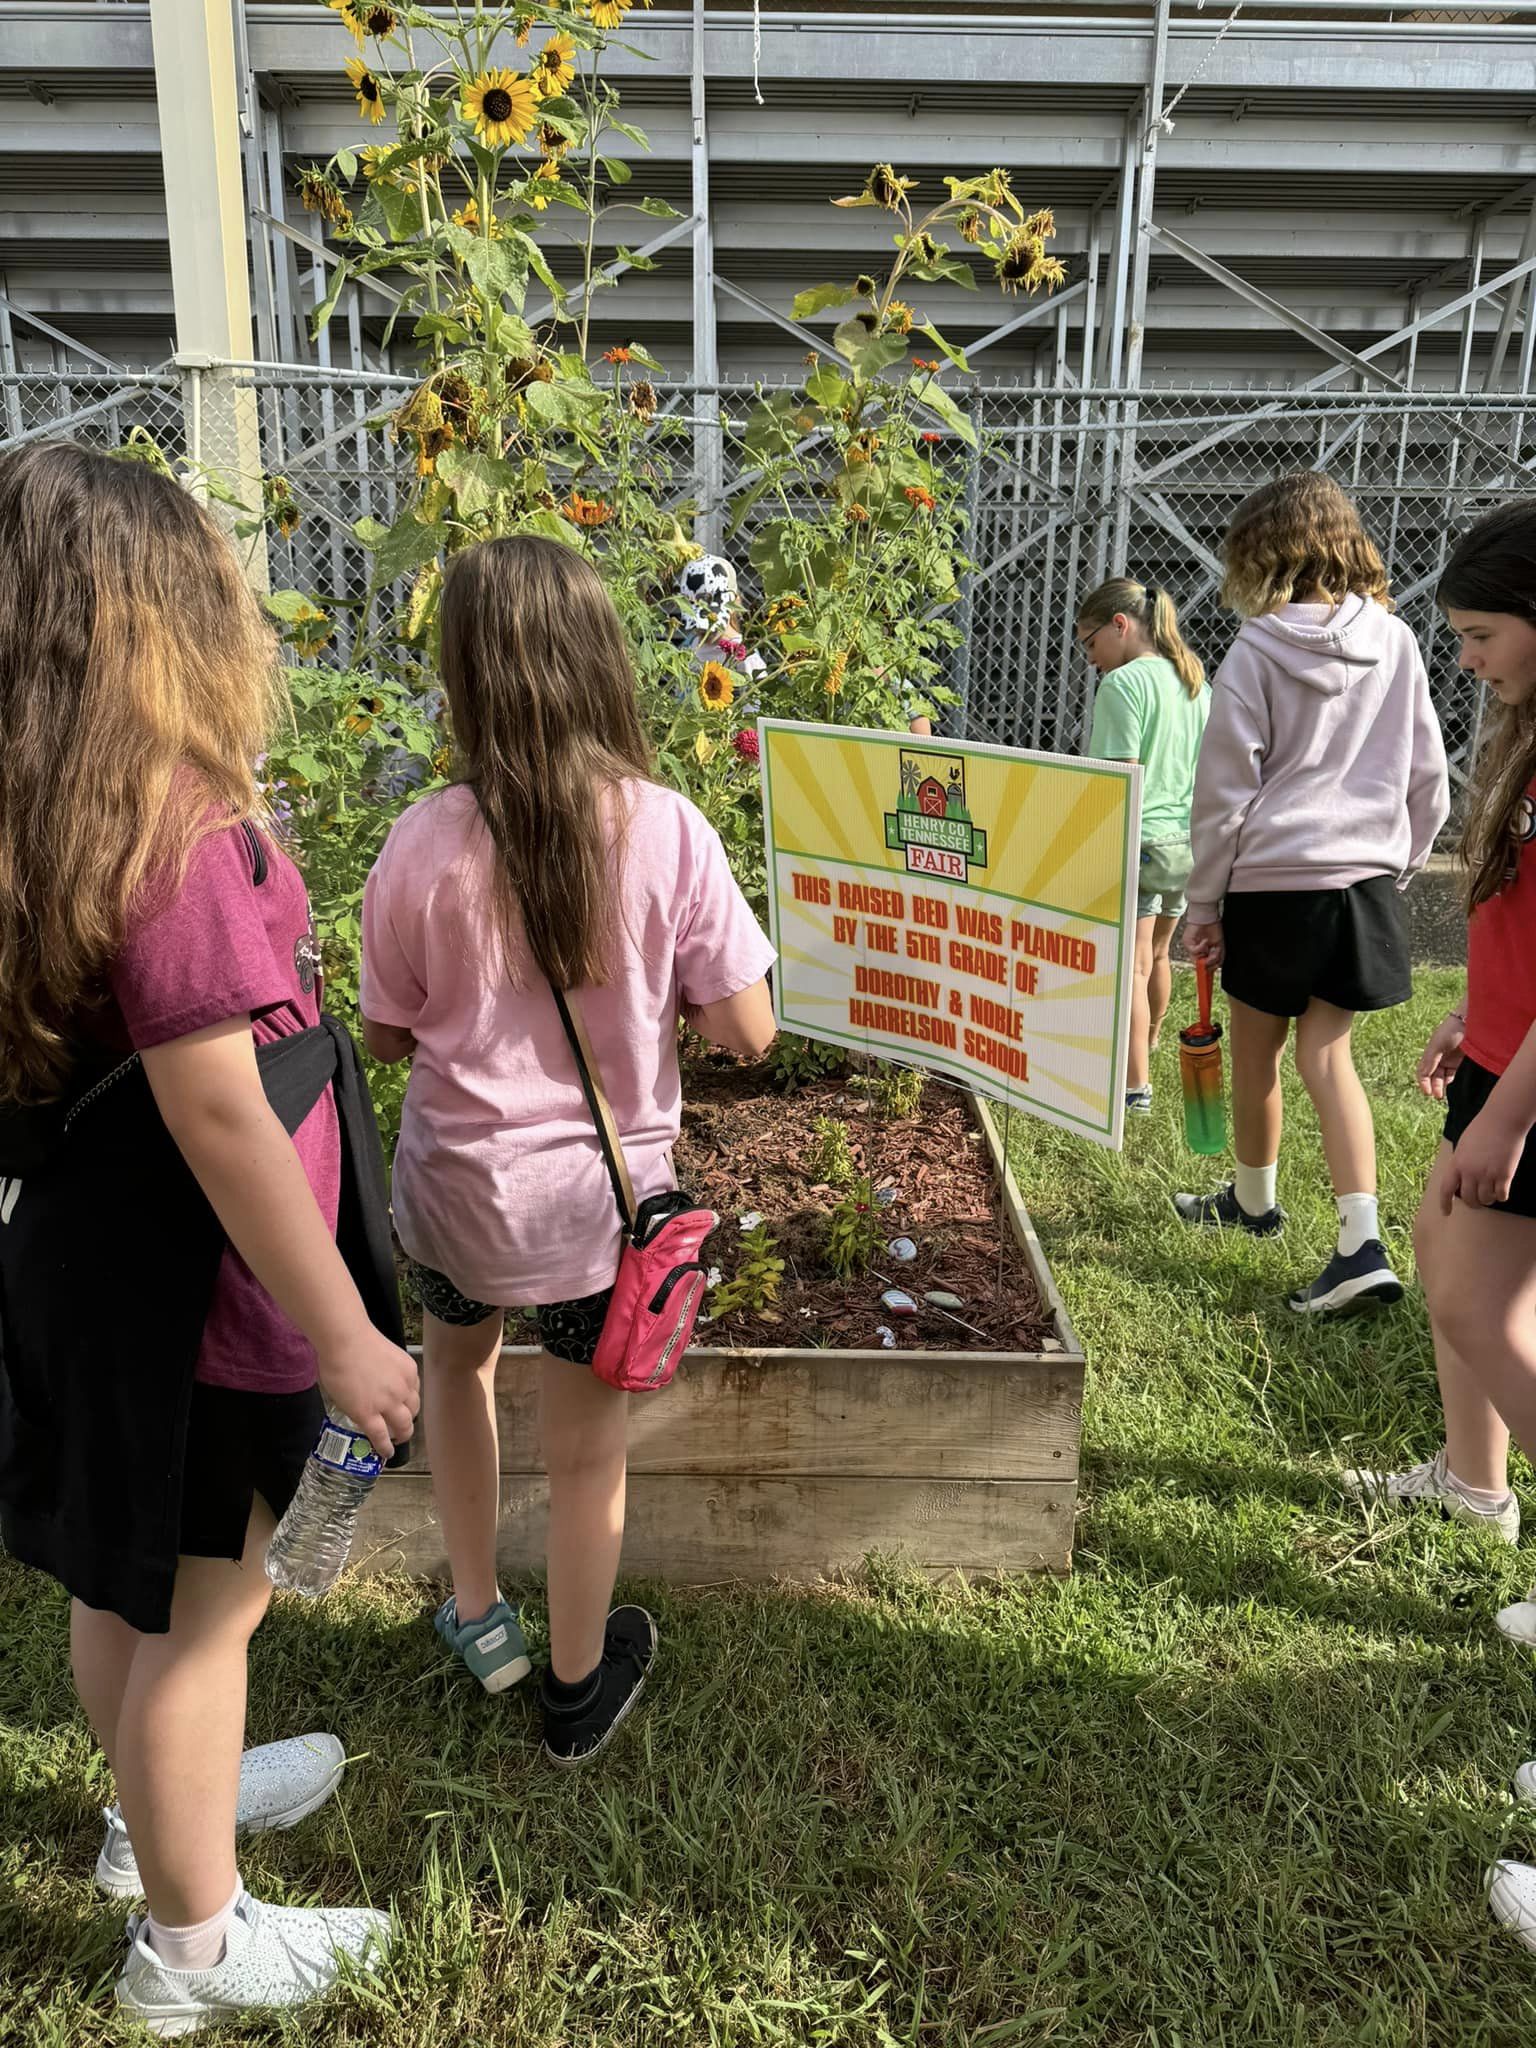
x: 498, y: 104
x: 368, y: 88
x: 380, y: 21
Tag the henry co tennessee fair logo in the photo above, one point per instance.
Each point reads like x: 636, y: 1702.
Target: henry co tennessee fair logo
x: 931, y: 823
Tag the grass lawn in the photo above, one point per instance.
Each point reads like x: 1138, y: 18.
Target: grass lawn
x: 1235, y: 1781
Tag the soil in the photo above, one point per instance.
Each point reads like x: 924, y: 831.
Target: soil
x: 746, y: 1147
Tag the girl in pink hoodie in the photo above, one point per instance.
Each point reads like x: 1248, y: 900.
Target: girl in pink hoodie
x: 1321, y: 789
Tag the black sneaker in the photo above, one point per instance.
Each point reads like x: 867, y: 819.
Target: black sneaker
x: 1223, y: 1211
x: 580, y: 1729
x: 1364, y: 1276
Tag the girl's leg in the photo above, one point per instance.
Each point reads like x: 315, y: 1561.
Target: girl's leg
x: 1138, y: 1057
x: 101, y: 1653
x: 585, y: 1425
x: 1327, y: 1069
x: 181, y: 1728
x: 1476, y: 1437
x: 1256, y: 1040
x: 1482, y: 1293
x: 1160, y: 976
x: 459, y: 1410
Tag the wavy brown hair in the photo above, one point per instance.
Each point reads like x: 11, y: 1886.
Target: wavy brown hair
x: 1154, y: 611
x: 137, y: 686
x: 1492, y: 568
x: 1299, y: 536
x: 547, y: 728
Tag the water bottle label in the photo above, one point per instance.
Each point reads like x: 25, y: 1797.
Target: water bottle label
x: 353, y: 1455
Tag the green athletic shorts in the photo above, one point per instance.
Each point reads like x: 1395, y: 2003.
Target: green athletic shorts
x: 1163, y: 878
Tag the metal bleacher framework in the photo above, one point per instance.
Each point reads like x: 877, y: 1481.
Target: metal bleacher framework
x: 1295, y: 235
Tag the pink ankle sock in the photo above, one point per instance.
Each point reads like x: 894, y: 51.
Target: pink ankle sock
x: 1476, y: 1496
x: 194, y: 1948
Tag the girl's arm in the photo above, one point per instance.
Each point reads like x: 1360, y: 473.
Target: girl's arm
x: 209, y: 1094
x: 1229, y: 777
x: 1116, y: 734
x: 1488, y: 1151
x: 741, y: 1023
x: 1429, y: 782
x: 388, y: 1042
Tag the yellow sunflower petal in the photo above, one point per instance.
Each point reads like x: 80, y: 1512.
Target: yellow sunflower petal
x: 502, y: 106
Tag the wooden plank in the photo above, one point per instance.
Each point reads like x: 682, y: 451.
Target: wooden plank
x: 804, y: 1413
x: 1023, y: 1226
x: 698, y: 1530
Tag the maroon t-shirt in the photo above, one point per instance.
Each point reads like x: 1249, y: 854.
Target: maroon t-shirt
x: 224, y: 947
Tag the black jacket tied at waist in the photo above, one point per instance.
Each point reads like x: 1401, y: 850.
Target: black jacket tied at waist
x: 109, y: 1253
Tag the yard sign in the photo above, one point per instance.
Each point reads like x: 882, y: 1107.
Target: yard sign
x: 964, y: 908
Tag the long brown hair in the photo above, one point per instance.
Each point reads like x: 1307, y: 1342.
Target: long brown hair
x: 131, y: 653
x: 1492, y: 568
x: 1154, y: 611
x: 1300, y: 533
x: 547, y: 727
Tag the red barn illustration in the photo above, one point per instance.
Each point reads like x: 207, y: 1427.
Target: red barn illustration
x: 931, y: 800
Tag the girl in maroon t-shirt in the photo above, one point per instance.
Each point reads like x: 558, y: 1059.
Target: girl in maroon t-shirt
x: 1476, y: 1232
x: 144, y: 910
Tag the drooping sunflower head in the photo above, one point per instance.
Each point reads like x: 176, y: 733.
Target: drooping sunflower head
x: 924, y: 250
x: 642, y: 398
x: 468, y: 216
x: 366, y: 18
x: 456, y: 395
x: 501, y: 106
x: 553, y: 69
x: 865, y: 286
x: 370, y: 94
x: 970, y: 225
x: 608, y: 13
x: 322, y: 195
x: 717, y: 686
x: 552, y: 143
x: 539, y: 189
x: 1025, y: 263
x: 899, y: 316
x: 886, y: 189
x: 1042, y: 223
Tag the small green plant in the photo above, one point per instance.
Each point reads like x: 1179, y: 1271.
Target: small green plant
x: 794, y: 1061
x: 853, y: 1231
x: 896, y: 1091
x: 831, y: 1161
x: 755, y: 1283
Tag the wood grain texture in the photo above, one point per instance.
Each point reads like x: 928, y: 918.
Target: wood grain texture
x: 693, y: 1530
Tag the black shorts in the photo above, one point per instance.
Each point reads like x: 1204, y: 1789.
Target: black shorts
x: 1347, y: 947
x: 567, y: 1329
x: 1471, y: 1086
x: 240, y: 1444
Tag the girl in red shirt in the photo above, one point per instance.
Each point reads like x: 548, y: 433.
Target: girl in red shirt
x: 1476, y: 1231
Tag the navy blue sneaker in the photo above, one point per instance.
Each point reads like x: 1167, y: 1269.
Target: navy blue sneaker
x: 1345, y: 1282
x: 1224, y: 1211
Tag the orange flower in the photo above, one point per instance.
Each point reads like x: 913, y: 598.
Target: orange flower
x: 922, y: 363
x: 587, y: 511
x: 859, y: 514
x: 916, y: 495
x: 617, y: 355
x: 836, y: 673
x: 932, y: 435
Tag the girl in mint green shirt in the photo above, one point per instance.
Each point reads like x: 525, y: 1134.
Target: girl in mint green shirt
x: 1151, y: 707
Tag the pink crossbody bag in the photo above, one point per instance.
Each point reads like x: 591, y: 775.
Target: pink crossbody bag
x: 661, y: 1281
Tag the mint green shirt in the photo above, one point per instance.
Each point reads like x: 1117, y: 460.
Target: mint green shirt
x: 1144, y: 713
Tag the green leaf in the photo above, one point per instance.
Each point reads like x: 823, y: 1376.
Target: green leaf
x: 536, y: 262
x: 551, y: 526
x: 321, y: 318
x: 499, y: 269
x: 289, y: 605
x: 868, y: 353
x: 401, y: 210
x: 769, y: 429
x: 475, y: 480
x: 305, y: 764
x: 636, y: 261
x: 658, y: 209
x: 637, y: 136
x: 828, y: 388
x: 956, y: 355
x: 346, y: 162
x: 818, y: 298
x: 644, y: 357
x: 409, y: 544
x: 444, y: 325
x: 618, y: 171
x: 938, y: 401
x: 558, y: 405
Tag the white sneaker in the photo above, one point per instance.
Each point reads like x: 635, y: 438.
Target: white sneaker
x: 1525, y: 1784
x: 1429, y: 1485
x: 1519, y: 1622
x: 273, y: 1956
x: 281, y: 1784
x: 1512, y: 1899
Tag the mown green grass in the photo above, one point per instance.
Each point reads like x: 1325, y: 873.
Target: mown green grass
x: 1235, y: 1781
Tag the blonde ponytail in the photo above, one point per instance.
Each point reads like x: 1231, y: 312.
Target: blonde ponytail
x: 1153, y: 610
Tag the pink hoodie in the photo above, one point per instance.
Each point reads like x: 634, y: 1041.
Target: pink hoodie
x: 1322, y: 764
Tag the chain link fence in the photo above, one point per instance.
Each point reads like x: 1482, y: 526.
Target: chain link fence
x: 1065, y: 487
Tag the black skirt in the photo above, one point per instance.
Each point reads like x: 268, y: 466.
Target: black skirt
x: 1471, y: 1086
x: 241, y: 1443
x: 1284, y: 948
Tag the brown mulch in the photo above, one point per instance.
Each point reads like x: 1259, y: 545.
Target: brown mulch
x: 746, y: 1147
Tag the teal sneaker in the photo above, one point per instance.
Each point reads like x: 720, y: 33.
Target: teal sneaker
x: 492, y: 1648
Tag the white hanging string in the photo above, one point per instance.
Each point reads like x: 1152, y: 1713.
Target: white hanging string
x: 1164, y: 120
x: 757, y: 47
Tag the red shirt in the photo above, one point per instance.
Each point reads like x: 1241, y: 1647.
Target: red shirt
x: 223, y: 947
x: 1501, y: 958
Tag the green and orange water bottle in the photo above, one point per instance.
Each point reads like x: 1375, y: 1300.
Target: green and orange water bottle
x: 1205, y: 1109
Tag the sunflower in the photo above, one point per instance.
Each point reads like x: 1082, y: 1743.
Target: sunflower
x: 1025, y: 263
x: 717, y: 686
x: 501, y: 105
x: 456, y: 395
x: 886, y: 189
x: 587, y: 511
x: 552, y: 70
x: 322, y: 195
x: 865, y: 286
x: 468, y: 216
x: 970, y: 225
x: 430, y: 445
x: 537, y: 192
x: 308, y: 629
x: 642, y: 398
x: 900, y: 316
x: 365, y: 18
x: 836, y: 673
x: 552, y: 143
x: 608, y: 13
x: 370, y: 94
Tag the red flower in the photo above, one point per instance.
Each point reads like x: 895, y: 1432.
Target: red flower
x: 745, y: 743
x: 932, y: 434
x: 915, y: 495
x: 922, y: 363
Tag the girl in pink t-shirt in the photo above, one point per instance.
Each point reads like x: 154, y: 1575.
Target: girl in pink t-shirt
x: 154, y: 942
x: 555, y: 861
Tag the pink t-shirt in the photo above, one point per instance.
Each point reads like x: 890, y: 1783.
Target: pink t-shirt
x: 498, y: 1179
x: 224, y: 946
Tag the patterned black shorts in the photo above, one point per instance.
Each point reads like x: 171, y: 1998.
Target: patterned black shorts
x: 567, y: 1329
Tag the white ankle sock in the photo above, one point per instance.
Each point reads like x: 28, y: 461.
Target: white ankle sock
x: 1255, y: 1186
x: 1476, y: 1496
x: 194, y: 1948
x: 1358, y: 1222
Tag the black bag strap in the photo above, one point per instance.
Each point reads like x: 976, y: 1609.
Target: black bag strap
x: 602, y: 1115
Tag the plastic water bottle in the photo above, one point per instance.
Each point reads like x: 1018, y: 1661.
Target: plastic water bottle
x: 314, y: 1539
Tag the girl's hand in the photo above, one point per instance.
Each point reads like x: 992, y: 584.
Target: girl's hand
x: 1482, y: 1168
x: 1442, y: 1056
x: 1204, y: 942
x: 374, y: 1384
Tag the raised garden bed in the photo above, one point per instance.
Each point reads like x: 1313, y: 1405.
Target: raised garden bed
x: 793, y: 1442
